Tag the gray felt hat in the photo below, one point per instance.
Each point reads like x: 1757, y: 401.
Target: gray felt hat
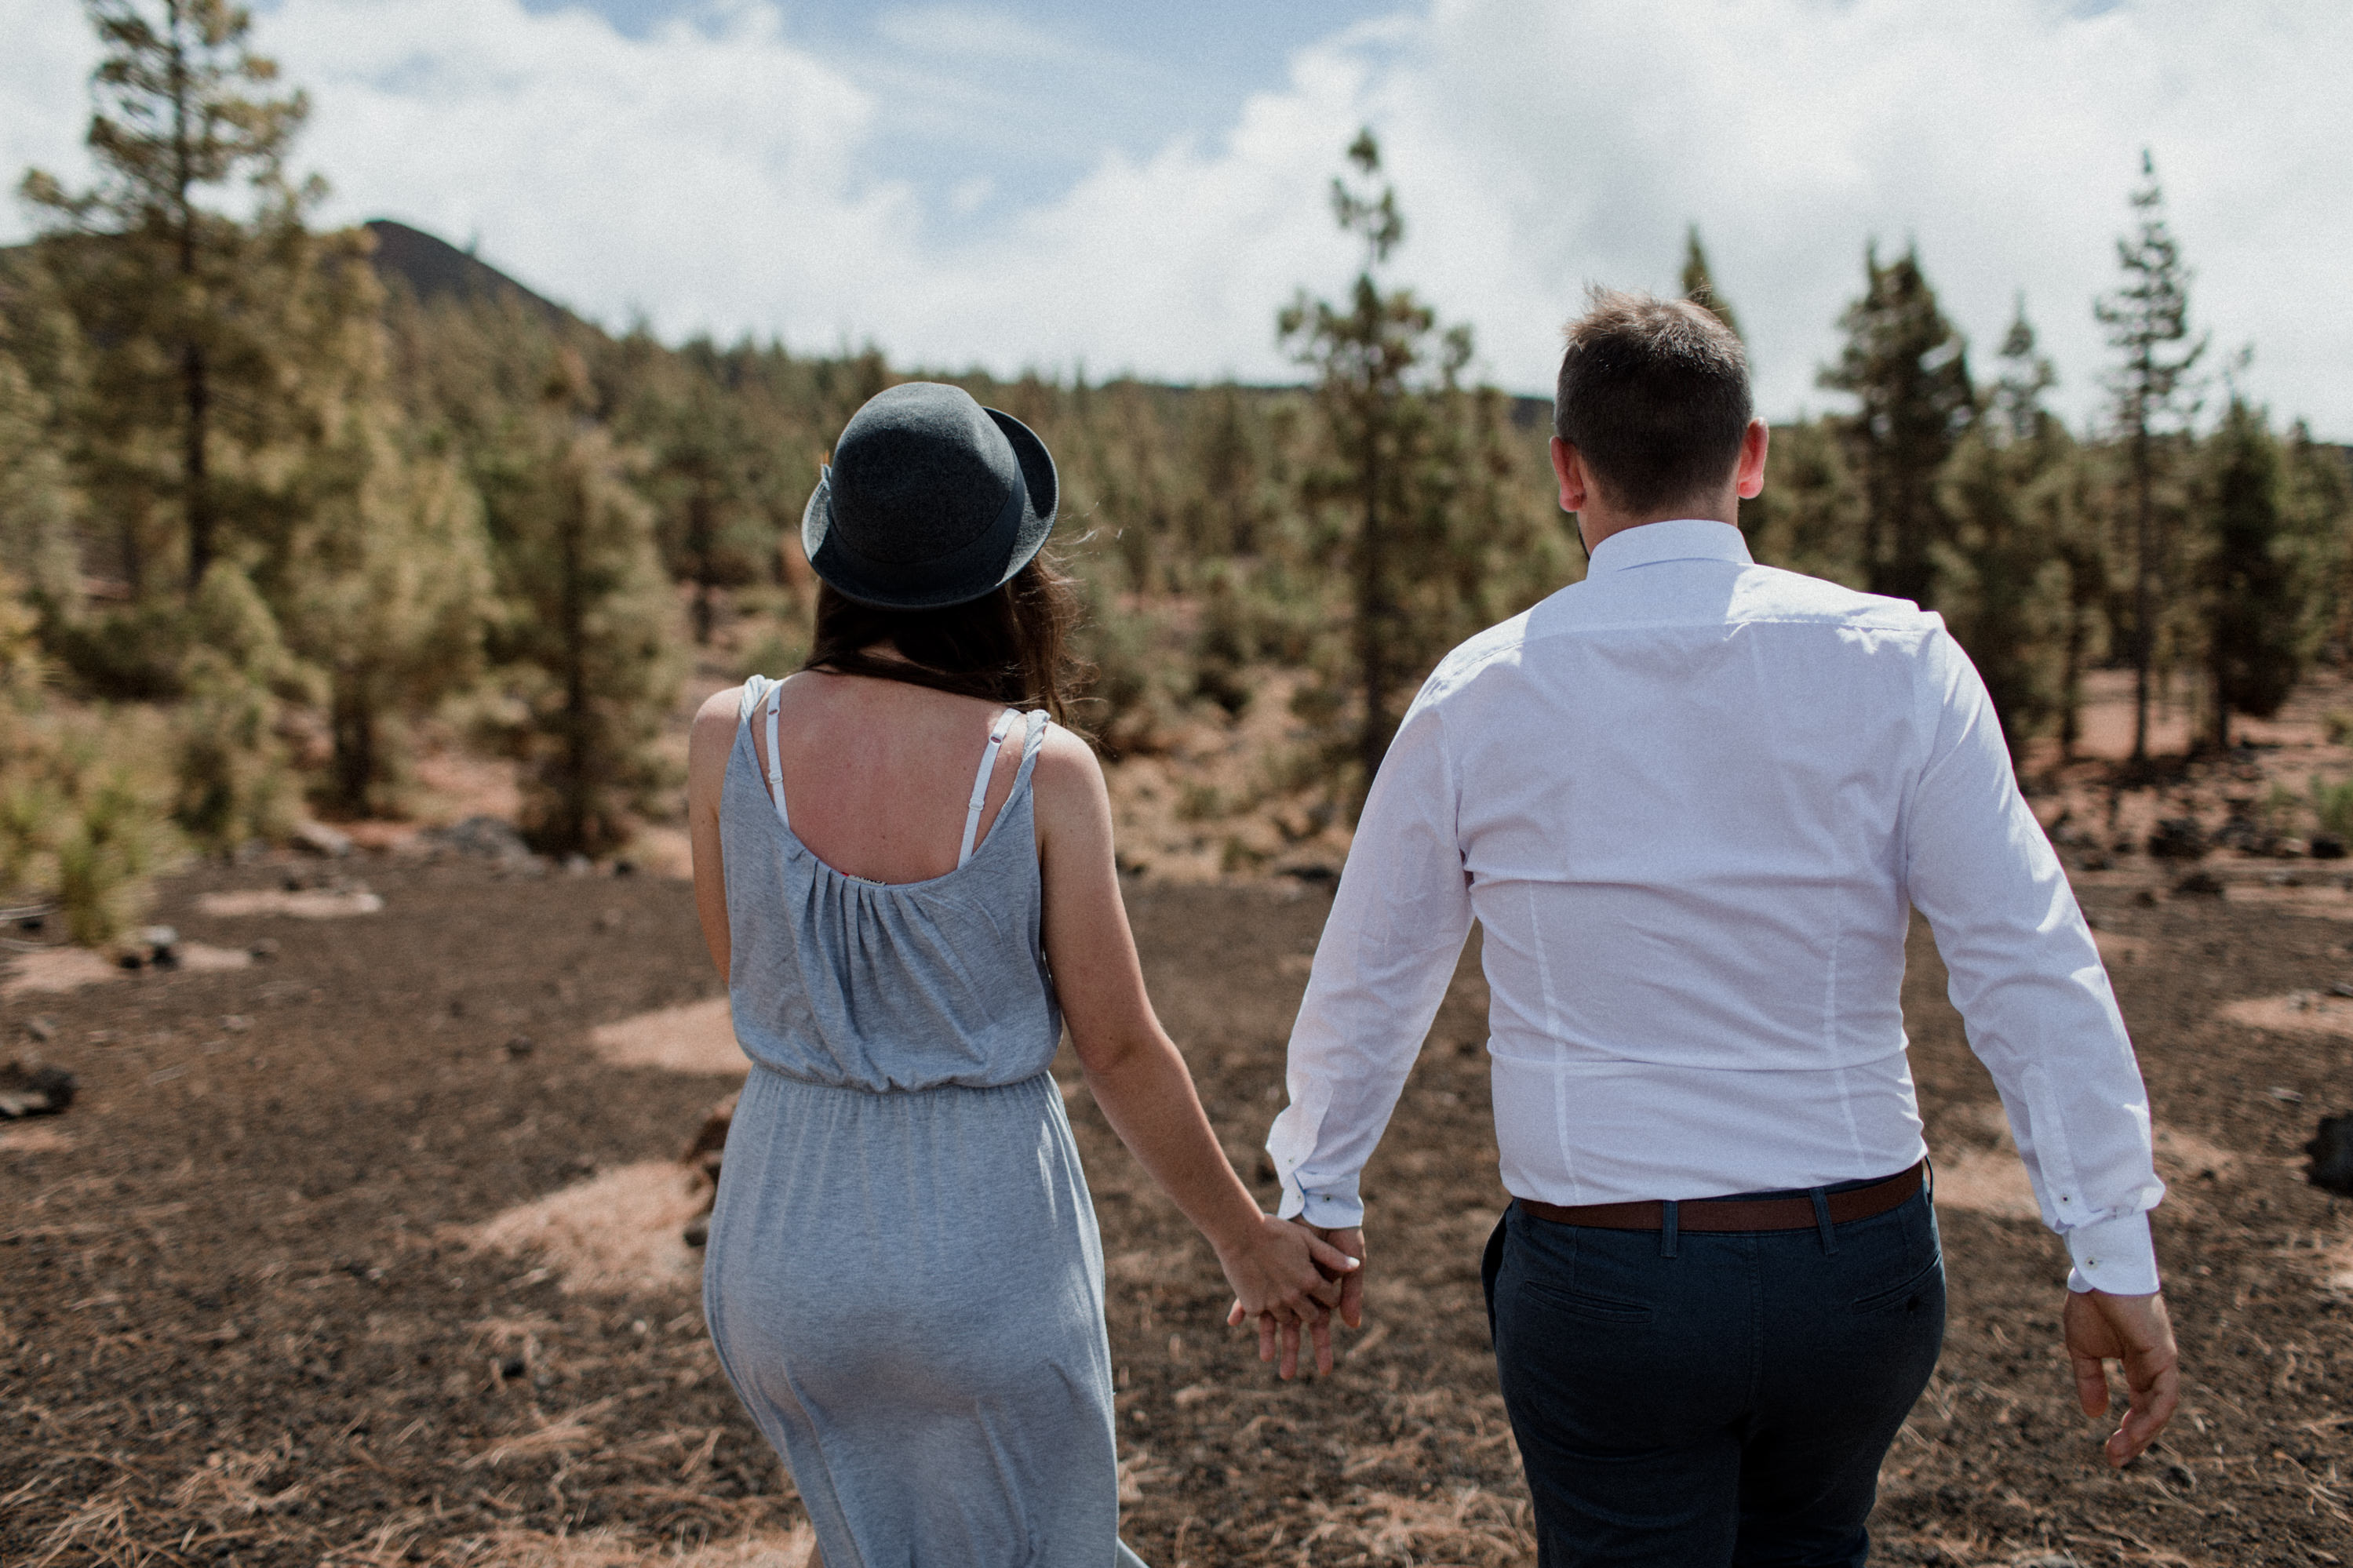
x: 932, y: 500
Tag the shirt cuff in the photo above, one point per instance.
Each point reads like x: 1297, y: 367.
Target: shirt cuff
x: 2113, y: 1255
x: 1324, y: 1211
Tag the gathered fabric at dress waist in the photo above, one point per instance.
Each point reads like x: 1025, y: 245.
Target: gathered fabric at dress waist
x: 800, y: 1073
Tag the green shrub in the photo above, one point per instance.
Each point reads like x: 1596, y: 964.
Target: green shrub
x: 2333, y: 804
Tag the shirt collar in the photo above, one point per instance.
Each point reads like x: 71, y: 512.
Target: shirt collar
x: 1683, y: 538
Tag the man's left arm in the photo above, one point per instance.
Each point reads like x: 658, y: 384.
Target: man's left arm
x: 1396, y: 927
x: 2028, y: 981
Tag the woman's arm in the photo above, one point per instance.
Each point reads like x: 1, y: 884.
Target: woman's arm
x: 1138, y: 1076
x: 707, y: 747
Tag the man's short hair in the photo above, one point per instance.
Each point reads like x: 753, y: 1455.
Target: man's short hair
x: 1653, y: 394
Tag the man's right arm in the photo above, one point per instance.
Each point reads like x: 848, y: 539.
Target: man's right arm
x: 1388, y: 948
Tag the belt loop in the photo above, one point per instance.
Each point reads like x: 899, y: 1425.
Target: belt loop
x: 1823, y: 1218
x: 1668, y: 1220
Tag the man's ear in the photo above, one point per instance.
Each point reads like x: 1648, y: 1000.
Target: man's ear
x: 1568, y: 467
x: 1749, y: 480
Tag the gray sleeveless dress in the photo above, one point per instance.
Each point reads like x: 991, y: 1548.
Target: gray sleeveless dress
x: 903, y: 1278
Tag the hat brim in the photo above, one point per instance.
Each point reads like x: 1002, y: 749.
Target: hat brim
x: 973, y: 573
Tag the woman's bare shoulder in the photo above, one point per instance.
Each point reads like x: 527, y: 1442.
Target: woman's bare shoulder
x: 1069, y: 777
x: 713, y: 732
x: 718, y: 713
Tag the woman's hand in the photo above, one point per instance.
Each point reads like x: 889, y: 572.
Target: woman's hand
x: 1286, y: 1278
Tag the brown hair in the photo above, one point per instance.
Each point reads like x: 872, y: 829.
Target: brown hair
x: 1654, y: 395
x: 1009, y: 646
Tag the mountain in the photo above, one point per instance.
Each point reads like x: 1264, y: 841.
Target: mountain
x: 433, y: 269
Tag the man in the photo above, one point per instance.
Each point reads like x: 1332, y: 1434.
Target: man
x: 1692, y: 803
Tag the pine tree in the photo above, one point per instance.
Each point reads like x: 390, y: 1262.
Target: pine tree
x: 2005, y: 589
x: 2067, y: 508
x: 2147, y: 321
x: 1228, y: 453
x: 388, y: 593
x: 2317, y: 495
x: 194, y: 312
x: 38, y: 509
x: 1907, y: 369
x: 1810, y: 519
x: 587, y: 631
x: 2258, y: 623
x: 1364, y: 356
x: 700, y: 479
x: 1699, y: 283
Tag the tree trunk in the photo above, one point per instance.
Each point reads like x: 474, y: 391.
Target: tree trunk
x: 574, y: 791
x: 354, y: 739
x: 2144, y: 610
x: 697, y: 546
x: 2071, y: 684
x: 195, y: 382
x: 195, y: 475
x: 1372, y: 608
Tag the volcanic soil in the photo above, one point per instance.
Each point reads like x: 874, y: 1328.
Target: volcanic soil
x: 369, y: 1252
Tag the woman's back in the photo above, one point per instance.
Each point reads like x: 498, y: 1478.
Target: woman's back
x: 878, y: 774
x: 885, y: 929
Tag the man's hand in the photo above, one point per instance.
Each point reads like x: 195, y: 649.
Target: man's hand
x: 2134, y: 1329
x: 1350, y: 1240
x: 1286, y: 1276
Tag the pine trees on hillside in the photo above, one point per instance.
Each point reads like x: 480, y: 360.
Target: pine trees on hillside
x: 200, y: 325
x: 1407, y: 478
x: 2147, y: 321
x: 1907, y: 369
x: 2259, y: 629
x: 2004, y: 588
x: 587, y: 628
x: 1699, y: 283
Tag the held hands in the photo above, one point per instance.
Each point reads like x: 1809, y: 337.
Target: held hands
x: 2134, y: 1329
x: 1286, y: 1276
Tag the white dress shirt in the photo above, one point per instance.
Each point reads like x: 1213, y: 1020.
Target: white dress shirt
x: 1692, y: 802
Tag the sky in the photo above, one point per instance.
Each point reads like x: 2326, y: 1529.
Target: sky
x: 1069, y: 185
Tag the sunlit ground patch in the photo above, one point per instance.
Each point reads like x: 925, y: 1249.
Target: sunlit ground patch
x: 2330, y: 898
x: 2298, y: 1012
x: 699, y: 1037
x: 71, y: 968
x: 35, y: 1138
x: 308, y: 903
x: 2115, y: 948
x: 621, y: 1230
x: 1989, y: 1178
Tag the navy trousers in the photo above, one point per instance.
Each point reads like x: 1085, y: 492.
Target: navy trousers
x: 1701, y: 1400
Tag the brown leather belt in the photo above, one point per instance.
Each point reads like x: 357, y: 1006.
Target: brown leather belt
x: 1736, y: 1214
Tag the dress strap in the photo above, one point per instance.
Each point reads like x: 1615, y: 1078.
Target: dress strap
x: 775, y: 758
x: 1002, y: 728
x: 754, y: 688
x: 1038, y: 722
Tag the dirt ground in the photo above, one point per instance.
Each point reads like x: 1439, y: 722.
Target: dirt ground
x: 366, y: 1251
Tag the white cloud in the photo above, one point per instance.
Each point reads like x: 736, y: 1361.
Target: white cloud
x: 719, y: 173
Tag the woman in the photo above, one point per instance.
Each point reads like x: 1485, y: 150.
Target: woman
x: 903, y: 1277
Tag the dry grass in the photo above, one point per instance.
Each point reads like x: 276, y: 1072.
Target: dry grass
x: 619, y: 1231
x: 699, y: 1037
x: 607, y: 1549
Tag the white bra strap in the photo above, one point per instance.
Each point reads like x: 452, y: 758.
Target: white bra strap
x: 1004, y: 727
x: 776, y: 759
